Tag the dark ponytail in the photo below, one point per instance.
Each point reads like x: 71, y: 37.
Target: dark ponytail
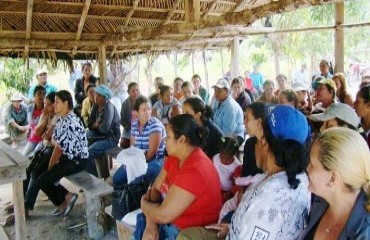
x: 198, y: 105
x: 289, y: 154
x: 185, y: 124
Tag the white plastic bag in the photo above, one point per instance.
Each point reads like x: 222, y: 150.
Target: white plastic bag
x: 134, y: 160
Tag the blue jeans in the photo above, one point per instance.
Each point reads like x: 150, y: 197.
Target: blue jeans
x: 166, y: 231
x: 154, y: 168
x: 97, y: 148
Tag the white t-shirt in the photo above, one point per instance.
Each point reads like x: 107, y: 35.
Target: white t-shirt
x: 270, y: 209
x: 225, y: 171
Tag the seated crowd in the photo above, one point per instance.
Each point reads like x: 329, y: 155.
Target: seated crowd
x: 304, y: 172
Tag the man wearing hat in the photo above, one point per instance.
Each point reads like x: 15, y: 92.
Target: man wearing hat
x: 42, y: 80
x: 104, y: 127
x: 337, y: 115
x: 325, y: 90
x: 16, y: 123
x: 228, y: 114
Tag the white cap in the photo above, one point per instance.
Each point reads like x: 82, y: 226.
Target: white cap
x: 338, y: 110
x: 222, y: 83
x: 42, y: 70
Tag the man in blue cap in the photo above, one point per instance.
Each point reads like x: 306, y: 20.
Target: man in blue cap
x: 104, y: 127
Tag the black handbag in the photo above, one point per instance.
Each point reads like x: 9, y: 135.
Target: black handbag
x: 127, y: 199
x: 40, y: 160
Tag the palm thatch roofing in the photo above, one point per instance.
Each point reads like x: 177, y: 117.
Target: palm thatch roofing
x: 76, y: 28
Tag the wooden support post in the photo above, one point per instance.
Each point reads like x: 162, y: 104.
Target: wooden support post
x: 20, y: 222
x: 192, y: 10
x: 102, y: 59
x: 339, y: 37
x: 192, y: 61
x: 96, y: 219
x: 222, y: 62
x: 205, y: 69
x: 175, y: 63
x: 235, y: 58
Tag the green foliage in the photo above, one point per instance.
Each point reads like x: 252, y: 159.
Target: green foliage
x: 15, y: 75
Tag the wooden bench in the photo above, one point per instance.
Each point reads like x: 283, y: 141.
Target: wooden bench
x: 94, y: 189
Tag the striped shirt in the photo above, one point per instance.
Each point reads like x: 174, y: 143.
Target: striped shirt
x: 142, y: 138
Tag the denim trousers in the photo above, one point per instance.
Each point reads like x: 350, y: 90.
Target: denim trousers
x: 97, y: 148
x: 46, y: 182
x: 30, y: 146
x: 154, y: 168
x: 166, y: 231
x: 30, y: 187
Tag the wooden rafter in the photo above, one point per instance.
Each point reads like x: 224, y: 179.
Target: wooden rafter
x: 245, y: 17
x: 241, y: 5
x: 210, y: 9
x: 170, y: 13
x: 29, y: 18
x: 129, y: 15
x: 83, y: 18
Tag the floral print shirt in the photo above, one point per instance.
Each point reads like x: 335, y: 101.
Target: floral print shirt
x: 70, y: 135
x: 270, y: 209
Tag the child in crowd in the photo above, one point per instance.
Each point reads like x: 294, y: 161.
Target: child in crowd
x: 228, y: 166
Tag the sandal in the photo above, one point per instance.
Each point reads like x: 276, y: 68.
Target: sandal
x: 70, y: 205
x: 57, y: 213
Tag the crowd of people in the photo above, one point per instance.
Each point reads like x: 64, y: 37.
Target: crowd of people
x: 304, y: 172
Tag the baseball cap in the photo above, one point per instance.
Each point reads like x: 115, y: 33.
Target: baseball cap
x: 16, y: 97
x: 287, y: 123
x: 222, y: 83
x: 104, y: 91
x: 42, y: 70
x: 338, y: 110
x: 326, y: 81
x: 299, y: 86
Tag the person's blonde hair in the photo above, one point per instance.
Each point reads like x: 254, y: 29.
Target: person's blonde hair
x: 343, y: 91
x: 346, y: 151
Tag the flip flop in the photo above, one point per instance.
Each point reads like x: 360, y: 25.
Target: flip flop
x: 57, y: 213
x: 70, y: 205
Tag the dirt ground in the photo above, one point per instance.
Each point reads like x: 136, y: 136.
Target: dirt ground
x: 40, y: 224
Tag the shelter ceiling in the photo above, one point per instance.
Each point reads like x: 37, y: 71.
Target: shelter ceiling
x: 77, y: 26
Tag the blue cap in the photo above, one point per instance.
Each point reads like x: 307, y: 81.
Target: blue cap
x: 104, y: 91
x: 287, y: 123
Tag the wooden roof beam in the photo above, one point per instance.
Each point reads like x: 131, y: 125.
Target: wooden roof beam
x: 246, y: 17
x: 82, y: 20
x: 81, y: 24
x: 192, y: 10
x: 28, y: 27
x: 210, y: 9
x: 241, y: 5
x: 29, y: 18
x: 170, y: 13
x: 129, y: 15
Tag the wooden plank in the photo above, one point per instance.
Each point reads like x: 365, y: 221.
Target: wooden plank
x: 235, y: 58
x: 92, y: 185
x: 12, y: 173
x: 14, y: 155
x: 102, y: 59
x: 20, y: 220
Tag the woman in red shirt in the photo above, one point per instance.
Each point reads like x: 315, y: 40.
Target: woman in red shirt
x: 187, y: 190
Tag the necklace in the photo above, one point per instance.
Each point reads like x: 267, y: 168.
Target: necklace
x: 333, y: 225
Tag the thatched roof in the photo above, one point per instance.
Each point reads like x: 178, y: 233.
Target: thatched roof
x: 69, y: 28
